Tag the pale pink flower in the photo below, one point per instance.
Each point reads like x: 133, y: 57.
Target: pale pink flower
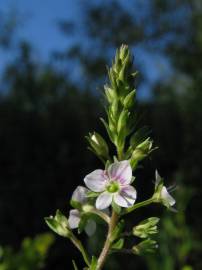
x: 79, y: 195
x: 113, y: 185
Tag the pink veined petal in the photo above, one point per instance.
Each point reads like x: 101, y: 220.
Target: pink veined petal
x: 74, y: 219
x: 96, y: 181
x: 79, y: 194
x: 121, y: 171
x: 129, y: 192
x: 126, y: 197
x: 104, y: 200
x: 120, y: 200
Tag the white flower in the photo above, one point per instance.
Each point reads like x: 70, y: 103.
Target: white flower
x: 166, y: 198
x: 113, y: 184
x: 74, y: 218
x: 161, y: 193
x: 79, y: 195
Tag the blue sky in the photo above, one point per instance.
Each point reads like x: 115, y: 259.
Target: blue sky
x: 39, y: 26
x: 40, y: 21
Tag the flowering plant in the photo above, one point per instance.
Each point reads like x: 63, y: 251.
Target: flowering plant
x: 110, y: 194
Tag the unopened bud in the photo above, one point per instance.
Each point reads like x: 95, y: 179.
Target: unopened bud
x: 144, y: 247
x: 146, y: 227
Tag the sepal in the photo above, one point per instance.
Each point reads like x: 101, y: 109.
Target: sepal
x: 59, y: 224
x: 145, y: 247
x: 98, y: 144
x: 146, y: 228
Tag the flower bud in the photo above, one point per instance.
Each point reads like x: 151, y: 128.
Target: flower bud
x: 147, y: 227
x: 98, y: 144
x: 87, y: 208
x: 144, y: 247
x: 110, y: 94
x: 59, y: 224
x: 79, y: 197
x: 123, y: 52
x: 129, y: 99
x: 122, y: 120
x: 141, y: 151
x: 161, y: 194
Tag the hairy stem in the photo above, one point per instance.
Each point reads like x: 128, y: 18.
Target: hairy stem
x: 105, y: 251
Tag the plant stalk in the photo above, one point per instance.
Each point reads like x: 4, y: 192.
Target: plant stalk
x: 105, y: 251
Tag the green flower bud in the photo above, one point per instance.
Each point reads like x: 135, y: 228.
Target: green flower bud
x: 123, y: 52
x: 110, y: 94
x: 87, y: 208
x: 59, y: 224
x: 98, y: 144
x: 147, y: 227
x: 129, y: 99
x: 141, y: 151
x: 145, y: 247
x: 122, y: 120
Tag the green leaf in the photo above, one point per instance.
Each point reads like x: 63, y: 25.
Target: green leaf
x: 83, y: 222
x: 111, y: 135
x: 118, y: 244
x: 93, y: 265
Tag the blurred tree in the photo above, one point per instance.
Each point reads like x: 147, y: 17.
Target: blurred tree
x: 9, y: 22
x: 31, y: 256
x: 176, y: 246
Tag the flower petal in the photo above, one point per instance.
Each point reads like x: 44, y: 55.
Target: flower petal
x: 103, y: 200
x: 167, y: 199
x: 126, y: 197
x: 96, y: 180
x: 120, y: 200
x: 121, y: 171
x: 79, y: 194
x: 74, y: 219
x: 129, y: 192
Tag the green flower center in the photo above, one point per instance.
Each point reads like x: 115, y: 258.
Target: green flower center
x: 113, y: 187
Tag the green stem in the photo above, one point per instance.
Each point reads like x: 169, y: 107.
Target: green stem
x: 105, y: 251
x: 102, y: 215
x: 120, y: 154
x: 80, y: 247
x: 138, y: 205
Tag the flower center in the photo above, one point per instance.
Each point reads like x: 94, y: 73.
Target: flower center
x: 113, y: 187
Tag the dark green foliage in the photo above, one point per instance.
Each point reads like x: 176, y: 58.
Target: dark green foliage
x: 31, y: 256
